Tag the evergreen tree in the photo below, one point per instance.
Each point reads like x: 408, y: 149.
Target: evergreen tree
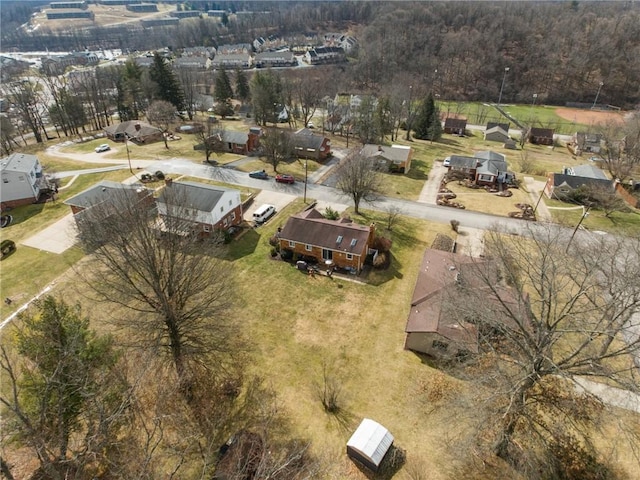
x: 168, y: 85
x: 222, y: 91
x: 243, y: 92
x: 65, y: 397
x: 424, y: 118
x: 266, y: 94
x: 435, y: 127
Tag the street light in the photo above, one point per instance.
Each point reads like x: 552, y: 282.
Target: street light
x: 597, y: 95
x: 504, y: 77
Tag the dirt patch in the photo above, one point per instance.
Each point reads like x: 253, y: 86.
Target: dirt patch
x: 589, y: 117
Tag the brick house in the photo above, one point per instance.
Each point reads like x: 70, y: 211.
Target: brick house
x: 309, y: 145
x: 135, y: 131
x: 339, y: 243
x: 455, y: 126
x: 541, y: 136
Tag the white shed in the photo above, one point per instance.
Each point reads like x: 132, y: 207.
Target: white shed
x: 369, y: 444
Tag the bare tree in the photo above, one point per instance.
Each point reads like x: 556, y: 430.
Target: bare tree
x: 162, y: 113
x: 621, y: 147
x: 276, y: 146
x: 544, y: 319
x: 156, y: 267
x: 358, y: 177
x: 210, y: 140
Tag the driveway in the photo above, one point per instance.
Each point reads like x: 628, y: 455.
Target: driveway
x: 431, y: 187
x: 277, y: 199
x: 55, y: 238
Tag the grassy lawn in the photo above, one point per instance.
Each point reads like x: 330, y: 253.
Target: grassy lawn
x: 479, y: 200
x: 623, y: 223
x: 28, y: 270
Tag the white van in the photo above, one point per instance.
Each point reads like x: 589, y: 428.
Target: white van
x: 263, y: 213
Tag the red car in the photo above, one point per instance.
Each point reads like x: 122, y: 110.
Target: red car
x: 284, y: 178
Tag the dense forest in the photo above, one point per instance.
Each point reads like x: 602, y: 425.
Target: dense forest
x: 460, y: 50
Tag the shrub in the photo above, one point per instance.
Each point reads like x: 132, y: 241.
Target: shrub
x: 380, y: 260
x: 274, y: 252
x: 331, y: 214
x: 382, y: 244
x: 454, y: 225
x: 274, y: 241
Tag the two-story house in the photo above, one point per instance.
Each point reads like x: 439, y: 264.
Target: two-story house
x: 22, y: 180
x: 203, y: 208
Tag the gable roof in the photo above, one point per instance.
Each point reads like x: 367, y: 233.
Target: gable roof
x: 496, y: 129
x: 455, y: 122
x: 18, y: 162
x: 575, y: 181
x: 541, y: 132
x: 104, y: 191
x: 232, y: 136
x: 492, y: 167
x: 394, y: 153
x: 586, y: 170
x: 305, y: 139
x: 131, y: 130
x: 460, y: 161
x: 198, y: 196
x: 439, y: 272
x: 503, y: 126
x: 334, y: 235
x: 490, y: 155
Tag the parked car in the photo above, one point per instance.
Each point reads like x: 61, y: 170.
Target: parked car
x: 103, y: 148
x: 285, y: 178
x: 446, y: 162
x: 261, y: 174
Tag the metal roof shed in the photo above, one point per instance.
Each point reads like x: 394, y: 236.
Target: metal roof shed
x: 369, y: 444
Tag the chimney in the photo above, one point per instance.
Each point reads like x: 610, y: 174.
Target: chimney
x: 137, y: 127
x: 168, y: 181
x: 379, y: 148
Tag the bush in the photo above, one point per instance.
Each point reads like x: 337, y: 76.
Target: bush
x: 380, y: 260
x: 274, y: 252
x: 454, y: 225
x: 274, y: 241
x: 331, y: 214
x: 382, y: 244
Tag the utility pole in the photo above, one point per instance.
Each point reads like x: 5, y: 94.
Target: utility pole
x: 597, y: 95
x: 504, y: 77
x: 585, y: 213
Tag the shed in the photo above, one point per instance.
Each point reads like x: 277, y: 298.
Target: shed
x: 369, y: 444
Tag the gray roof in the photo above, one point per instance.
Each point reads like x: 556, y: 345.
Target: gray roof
x: 303, y: 140
x: 130, y: 129
x: 18, y: 162
x: 490, y: 155
x: 198, y: 196
x: 574, y: 181
x: 588, y: 171
x: 232, y: 136
x: 459, y: 161
x: 103, y: 191
x: 492, y: 167
x: 394, y: 153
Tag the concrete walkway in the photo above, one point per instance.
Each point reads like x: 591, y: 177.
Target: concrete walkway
x: 431, y: 187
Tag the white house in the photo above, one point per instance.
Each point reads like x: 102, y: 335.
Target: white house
x: 206, y: 207
x: 22, y: 180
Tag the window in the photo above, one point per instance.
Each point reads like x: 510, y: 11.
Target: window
x: 233, y: 215
x: 21, y: 178
x: 349, y: 256
x: 222, y: 209
x: 339, y: 239
x: 206, y: 228
x: 353, y: 242
x: 5, y: 180
x: 307, y: 248
x: 230, y: 202
x: 292, y: 244
x: 485, y: 178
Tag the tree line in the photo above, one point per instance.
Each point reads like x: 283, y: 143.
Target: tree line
x: 558, y: 51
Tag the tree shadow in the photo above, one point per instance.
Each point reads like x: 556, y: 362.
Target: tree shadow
x: 346, y: 421
x: 244, y: 244
x: 391, y: 464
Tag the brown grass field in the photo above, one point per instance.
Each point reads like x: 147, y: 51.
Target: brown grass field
x: 589, y: 117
